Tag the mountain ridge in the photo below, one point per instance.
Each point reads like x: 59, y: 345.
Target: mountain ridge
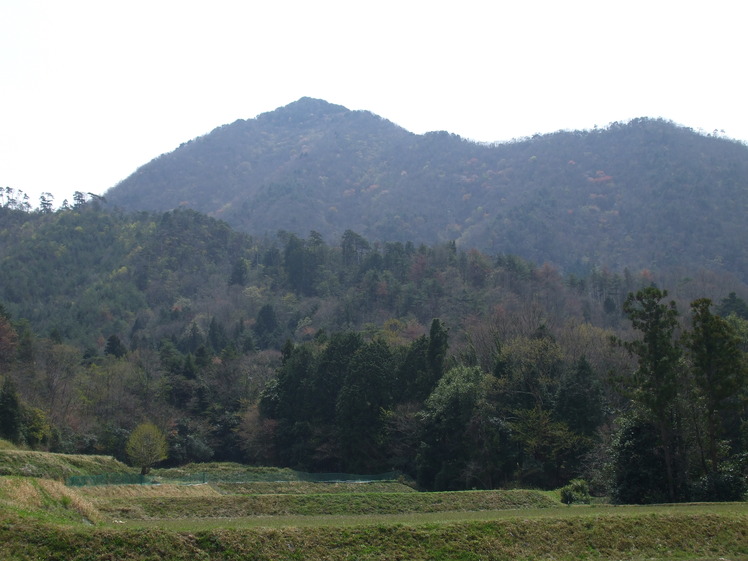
x: 636, y: 194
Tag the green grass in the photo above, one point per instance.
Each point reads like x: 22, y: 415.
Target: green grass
x: 232, y: 506
x: 307, y: 487
x: 430, y: 518
x: 43, y: 519
x: 217, y: 469
x: 56, y: 466
x: 7, y: 445
x: 680, y: 534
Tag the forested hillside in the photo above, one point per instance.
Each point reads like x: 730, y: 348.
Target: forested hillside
x: 461, y: 368
x: 643, y: 194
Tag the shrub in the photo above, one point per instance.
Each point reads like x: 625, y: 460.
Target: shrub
x: 577, y: 491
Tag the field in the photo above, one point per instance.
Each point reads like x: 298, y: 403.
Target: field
x: 40, y: 518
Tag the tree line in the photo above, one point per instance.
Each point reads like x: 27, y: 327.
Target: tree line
x: 458, y: 368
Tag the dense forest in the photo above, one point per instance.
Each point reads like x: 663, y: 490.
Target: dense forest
x: 641, y: 194
x: 460, y: 368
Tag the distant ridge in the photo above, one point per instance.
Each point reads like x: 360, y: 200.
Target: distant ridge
x: 641, y: 194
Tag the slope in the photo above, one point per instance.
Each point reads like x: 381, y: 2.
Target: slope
x: 643, y: 194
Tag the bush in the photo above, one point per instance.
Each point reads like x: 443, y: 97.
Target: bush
x: 723, y: 486
x: 577, y: 491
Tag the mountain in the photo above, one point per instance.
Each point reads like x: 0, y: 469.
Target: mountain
x: 642, y: 194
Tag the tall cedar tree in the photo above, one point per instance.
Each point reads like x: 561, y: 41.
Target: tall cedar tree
x: 718, y: 368
x: 654, y: 384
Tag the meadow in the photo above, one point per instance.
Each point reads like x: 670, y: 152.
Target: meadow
x: 41, y: 518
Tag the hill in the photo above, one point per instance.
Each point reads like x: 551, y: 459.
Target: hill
x: 328, y: 358
x: 47, y: 465
x: 642, y: 194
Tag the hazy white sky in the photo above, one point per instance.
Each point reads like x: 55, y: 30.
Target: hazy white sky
x: 90, y: 90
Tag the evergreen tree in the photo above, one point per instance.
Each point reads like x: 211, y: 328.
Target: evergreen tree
x: 10, y: 412
x: 366, y: 393
x: 266, y: 327
x: 733, y: 305
x: 239, y: 273
x: 654, y: 384
x: 115, y: 347
x: 436, y: 354
x: 719, y: 370
x: 580, y: 399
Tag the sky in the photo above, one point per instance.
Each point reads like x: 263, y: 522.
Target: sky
x: 91, y: 90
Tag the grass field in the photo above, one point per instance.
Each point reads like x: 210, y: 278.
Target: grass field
x: 42, y: 519
x: 56, y: 466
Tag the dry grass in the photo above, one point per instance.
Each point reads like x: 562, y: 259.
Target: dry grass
x: 23, y: 493
x: 140, y: 491
x: 46, y: 495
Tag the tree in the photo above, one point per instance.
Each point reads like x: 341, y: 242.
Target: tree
x: 639, y: 471
x: 436, y: 353
x: 45, y: 202
x: 115, y: 347
x: 654, y: 384
x: 8, y: 339
x: 266, y: 327
x: 146, y: 447
x: 579, y: 402
x: 239, y: 273
x: 733, y: 305
x: 366, y: 392
x: 10, y: 412
x: 547, y: 445
x: 718, y: 368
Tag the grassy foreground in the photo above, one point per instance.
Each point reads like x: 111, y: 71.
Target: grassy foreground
x: 40, y: 518
x: 676, y: 536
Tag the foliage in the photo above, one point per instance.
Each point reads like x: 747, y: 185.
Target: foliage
x: 719, y: 372
x: 655, y: 382
x: 640, y: 474
x: 461, y: 369
x: 577, y: 491
x: 10, y: 412
x: 724, y: 485
x: 146, y: 446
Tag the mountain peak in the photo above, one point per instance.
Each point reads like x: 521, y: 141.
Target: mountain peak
x: 303, y: 110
